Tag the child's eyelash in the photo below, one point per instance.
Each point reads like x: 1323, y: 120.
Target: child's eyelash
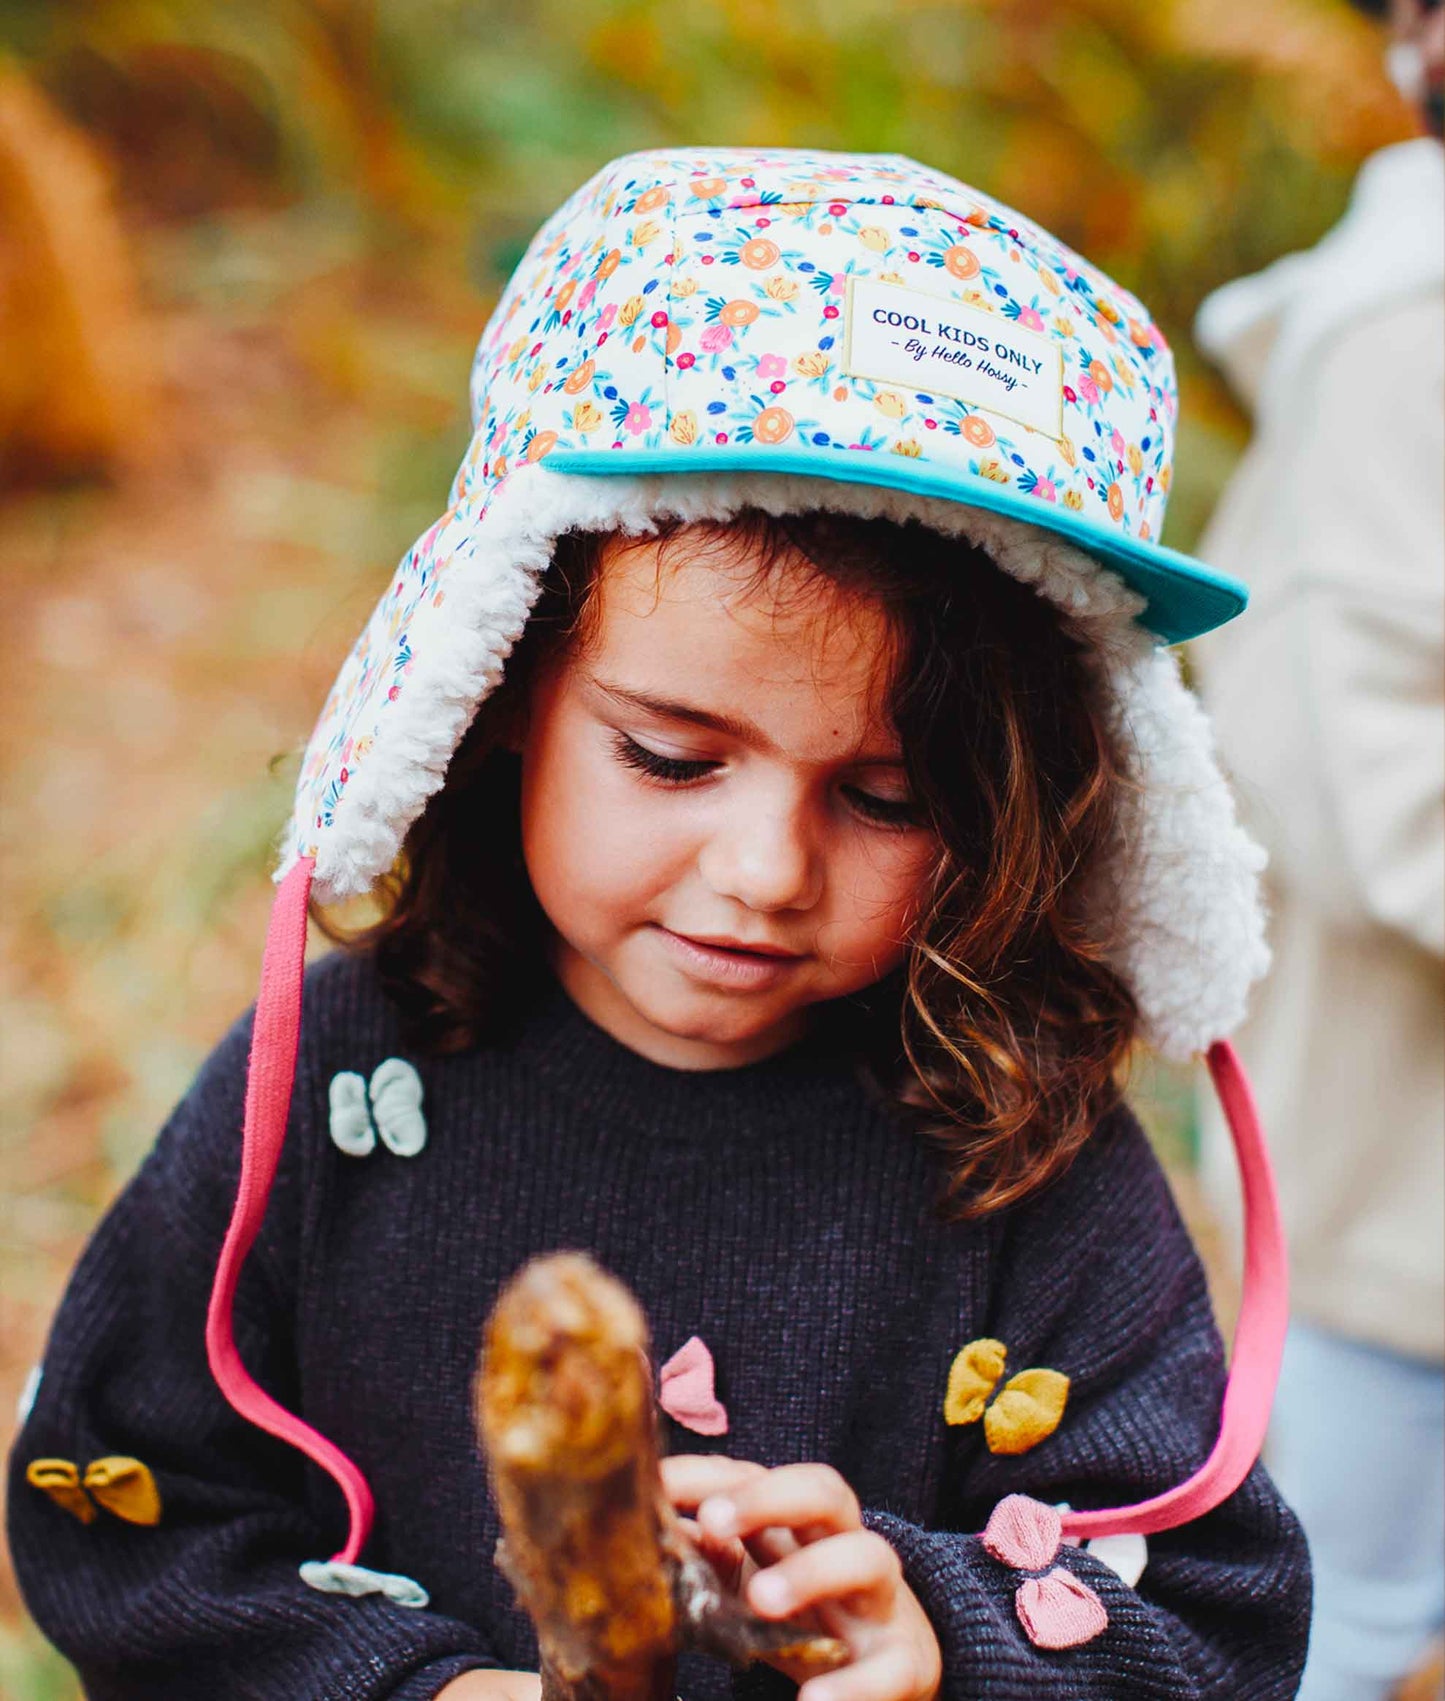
x: 678, y: 770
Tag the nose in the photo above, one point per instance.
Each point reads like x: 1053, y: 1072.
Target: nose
x: 764, y: 853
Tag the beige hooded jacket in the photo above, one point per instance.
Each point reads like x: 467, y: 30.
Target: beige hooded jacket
x: 1329, y: 705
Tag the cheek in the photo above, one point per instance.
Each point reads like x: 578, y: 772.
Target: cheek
x: 879, y: 884
x: 591, y: 840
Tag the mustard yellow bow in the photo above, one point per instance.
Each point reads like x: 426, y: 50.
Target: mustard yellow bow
x: 121, y: 1485
x: 1027, y: 1411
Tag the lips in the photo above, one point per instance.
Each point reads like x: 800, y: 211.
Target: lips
x: 740, y: 945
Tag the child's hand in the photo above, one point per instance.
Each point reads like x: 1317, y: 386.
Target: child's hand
x: 791, y: 1541
x: 492, y: 1686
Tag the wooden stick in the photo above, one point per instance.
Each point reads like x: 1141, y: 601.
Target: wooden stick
x: 591, y: 1545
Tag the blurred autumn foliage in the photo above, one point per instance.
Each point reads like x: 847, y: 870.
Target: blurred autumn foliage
x: 245, y: 250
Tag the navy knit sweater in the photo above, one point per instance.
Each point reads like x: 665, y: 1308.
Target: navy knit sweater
x: 776, y: 1210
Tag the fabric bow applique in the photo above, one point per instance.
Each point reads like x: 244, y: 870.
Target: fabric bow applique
x: 686, y: 1391
x: 121, y: 1485
x: 393, y: 1110
x: 1027, y: 1411
x: 1054, y: 1607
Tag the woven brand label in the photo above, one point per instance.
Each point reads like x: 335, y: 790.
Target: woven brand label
x: 925, y: 342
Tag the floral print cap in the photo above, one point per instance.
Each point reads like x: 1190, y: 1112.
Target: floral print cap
x: 853, y: 316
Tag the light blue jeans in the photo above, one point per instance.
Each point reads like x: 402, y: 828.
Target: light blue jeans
x: 1357, y: 1447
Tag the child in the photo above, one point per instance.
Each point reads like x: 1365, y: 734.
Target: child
x: 776, y: 932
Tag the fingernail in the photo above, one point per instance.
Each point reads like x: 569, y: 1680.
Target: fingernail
x: 770, y: 1593
x: 718, y: 1516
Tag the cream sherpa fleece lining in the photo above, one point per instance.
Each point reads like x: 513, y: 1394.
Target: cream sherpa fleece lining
x: 1181, y: 897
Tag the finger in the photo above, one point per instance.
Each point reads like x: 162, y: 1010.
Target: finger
x: 811, y: 1500
x: 888, y: 1672
x: 858, y: 1569
x: 689, y: 1478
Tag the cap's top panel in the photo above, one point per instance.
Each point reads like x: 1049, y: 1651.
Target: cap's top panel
x: 842, y: 304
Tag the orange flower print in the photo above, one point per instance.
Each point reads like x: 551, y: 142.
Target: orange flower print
x: 781, y: 289
x: 627, y: 313
x: 1142, y: 336
x: 1107, y: 310
x: 773, y: 425
x: 811, y: 365
x: 684, y: 287
x: 908, y: 446
x: 704, y: 188
x: 978, y: 431
x: 1101, y: 375
x: 840, y: 392
x: 540, y: 444
x: 586, y: 416
x: 1073, y: 500
x: 564, y: 295
x: 1136, y: 460
x: 1116, y: 502
x: 1166, y: 478
x: 890, y: 404
x: 658, y: 196
x: 738, y: 312
x: 759, y: 254
x: 581, y: 378
x: 961, y: 262
x: 644, y: 234
x: 683, y: 428
x: 609, y: 263
x: 875, y: 238
x: 673, y: 338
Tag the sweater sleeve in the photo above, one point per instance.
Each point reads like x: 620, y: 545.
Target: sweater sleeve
x: 1101, y: 1282
x: 207, y: 1603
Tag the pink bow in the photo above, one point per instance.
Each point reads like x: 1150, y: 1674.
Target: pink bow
x: 1055, y: 1608
x: 686, y: 1390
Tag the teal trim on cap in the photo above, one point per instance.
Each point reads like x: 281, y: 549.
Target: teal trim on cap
x: 1185, y: 598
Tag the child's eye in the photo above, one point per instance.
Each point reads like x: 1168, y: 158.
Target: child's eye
x: 678, y: 770
x: 673, y: 769
x: 884, y: 811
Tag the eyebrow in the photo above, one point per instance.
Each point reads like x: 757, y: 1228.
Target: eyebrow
x: 732, y: 726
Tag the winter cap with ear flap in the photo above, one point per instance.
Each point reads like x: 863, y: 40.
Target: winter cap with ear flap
x: 693, y: 332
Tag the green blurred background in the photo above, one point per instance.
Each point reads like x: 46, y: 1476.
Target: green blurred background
x: 245, y: 251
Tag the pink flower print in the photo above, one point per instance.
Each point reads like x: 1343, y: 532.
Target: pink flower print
x: 584, y: 299
x: 1031, y: 319
x: 1054, y: 1607
x: 772, y: 366
x: 638, y: 419
x: 715, y: 339
x: 606, y: 316
x: 1116, y: 439
x: 1088, y: 389
x: 838, y: 282
x: 1045, y: 490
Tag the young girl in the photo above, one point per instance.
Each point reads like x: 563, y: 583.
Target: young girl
x: 776, y: 931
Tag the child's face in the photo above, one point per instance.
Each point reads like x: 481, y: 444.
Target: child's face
x: 713, y: 769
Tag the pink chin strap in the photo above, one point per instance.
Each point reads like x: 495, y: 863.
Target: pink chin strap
x: 1258, y: 1339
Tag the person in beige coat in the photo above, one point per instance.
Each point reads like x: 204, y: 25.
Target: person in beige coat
x: 1329, y: 708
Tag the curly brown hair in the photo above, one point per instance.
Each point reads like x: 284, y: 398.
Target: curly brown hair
x: 1004, y: 1033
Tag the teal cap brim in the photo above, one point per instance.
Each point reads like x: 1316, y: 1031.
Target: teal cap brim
x: 1184, y: 597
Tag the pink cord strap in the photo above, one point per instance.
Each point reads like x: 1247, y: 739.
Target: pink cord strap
x: 1258, y: 1338
x: 275, y: 1038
